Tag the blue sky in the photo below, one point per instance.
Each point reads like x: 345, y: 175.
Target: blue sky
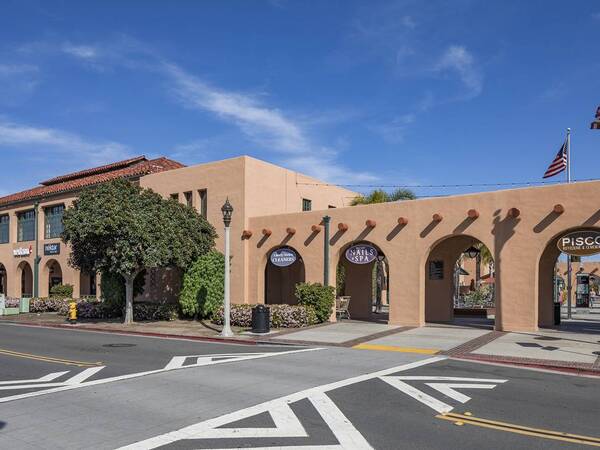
x: 366, y: 92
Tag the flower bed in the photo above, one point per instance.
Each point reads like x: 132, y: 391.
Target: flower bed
x: 11, y: 302
x: 282, y: 316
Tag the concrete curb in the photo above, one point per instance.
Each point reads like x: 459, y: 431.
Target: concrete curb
x: 143, y: 333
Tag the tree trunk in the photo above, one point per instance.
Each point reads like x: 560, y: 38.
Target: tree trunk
x: 129, y: 300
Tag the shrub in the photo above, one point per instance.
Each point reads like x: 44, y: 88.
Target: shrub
x: 479, y: 298
x: 42, y: 305
x: 319, y: 297
x: 282, y: 316
x: 155, y: 311
x: 11, y: 302
x: 112, y: 287
x: 62, y: 291
x: 202, y: 290
x: 98, y: 309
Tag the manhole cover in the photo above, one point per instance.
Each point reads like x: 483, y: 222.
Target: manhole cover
x: 119, y: 345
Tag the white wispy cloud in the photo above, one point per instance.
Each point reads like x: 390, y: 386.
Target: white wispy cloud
x: 39, y: 139
x: 458, y: 59
x: 17, y: 69
x: 80, y: 51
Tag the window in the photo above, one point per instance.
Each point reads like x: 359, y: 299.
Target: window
x: 188, y: 198
x: 26, y: 226
x: 175, y: 197
x: 306, y: 204
x: 4, y: 229
x: 203, y: 202
x: 53, y: 224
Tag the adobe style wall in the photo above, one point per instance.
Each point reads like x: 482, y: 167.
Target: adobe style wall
x: 254, y: 188
x: 14, y: 264
x: 524, y: 247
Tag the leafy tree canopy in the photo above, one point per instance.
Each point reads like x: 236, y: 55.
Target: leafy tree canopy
x: 381, y: 196
x: 121, y: 228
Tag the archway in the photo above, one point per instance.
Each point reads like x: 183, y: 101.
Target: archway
x: 460, y: 281
x: 25, y: 277
x: 553, y: 279
x: 3, y: 280
x: 363, y: 275
x: 283, y: 271
x: 55, y: 275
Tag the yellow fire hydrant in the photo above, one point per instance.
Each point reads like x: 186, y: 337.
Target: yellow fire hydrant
x: 73, y: 312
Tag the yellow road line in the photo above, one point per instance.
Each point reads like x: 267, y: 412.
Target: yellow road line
x: 391, y: 348
x: 49, y: 359
x: 520, y: 429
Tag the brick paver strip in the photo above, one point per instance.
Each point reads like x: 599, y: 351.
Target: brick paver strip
x: 584, y: 368
x: 474, y: 344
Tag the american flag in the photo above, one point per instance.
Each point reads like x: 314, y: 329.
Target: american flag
x: 596, y: 123
x: 559, y: 164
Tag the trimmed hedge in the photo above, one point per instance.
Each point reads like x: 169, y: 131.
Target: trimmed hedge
x: 203, y: 284
x: 282, y: 316
x: 317, y: 296
x: 42, y: 305
x: 62, y: 291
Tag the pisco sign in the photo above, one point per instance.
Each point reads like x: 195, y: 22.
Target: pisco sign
x: 580, y: 243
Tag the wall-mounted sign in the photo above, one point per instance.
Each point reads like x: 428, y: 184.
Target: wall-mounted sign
x: 580, y: 243
x: 51, y: 249
x: 22, y: 251
x: 436, y: 270
x: 361, y: 254
x: 283, y: 257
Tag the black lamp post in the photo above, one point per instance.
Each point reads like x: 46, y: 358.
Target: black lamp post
x: 472, y: 252
x: 227, y: 210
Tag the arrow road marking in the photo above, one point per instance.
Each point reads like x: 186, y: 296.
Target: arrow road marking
x: 345, y: 432
x: 45, y: 378
x: 178, y: 362
x: 75, y: 380
x: 447, y: 389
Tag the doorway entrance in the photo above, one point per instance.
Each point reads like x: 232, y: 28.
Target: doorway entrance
x: 284, y: 270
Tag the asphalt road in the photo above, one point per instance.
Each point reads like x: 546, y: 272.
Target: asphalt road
x: 277, y: 397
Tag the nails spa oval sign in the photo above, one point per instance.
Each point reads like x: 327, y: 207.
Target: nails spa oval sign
x: 361, y: 254
x: 580, y: 243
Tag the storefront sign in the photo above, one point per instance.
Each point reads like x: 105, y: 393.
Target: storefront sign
x: 22, y: 251
x: 283, y: 257
x: 51, y: 249
x: 361, y: 254
x: 580, y: 243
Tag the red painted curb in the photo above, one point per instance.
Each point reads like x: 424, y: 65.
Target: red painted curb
x: 577, y: 370
x: 138, y: 333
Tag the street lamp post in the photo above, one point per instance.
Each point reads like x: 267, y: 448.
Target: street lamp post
x: 227, y: 211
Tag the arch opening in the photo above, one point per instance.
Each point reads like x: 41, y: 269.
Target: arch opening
x: 553, y: 283
x: 460, y: 282
x: 283, y: 271
x: 362, y: 276
x: 25, y: 276
x: 55, y: 275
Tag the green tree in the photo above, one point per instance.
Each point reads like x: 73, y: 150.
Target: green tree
x: 119, y: 227
x: 203, y: 284
x: 381, y: 196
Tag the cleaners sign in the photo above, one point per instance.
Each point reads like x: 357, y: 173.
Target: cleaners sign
x: 580, y: 243
x: 283, y: 257
x: 361, y: 254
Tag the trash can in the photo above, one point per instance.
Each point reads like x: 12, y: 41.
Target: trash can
x: 557, y: 313
x: 261, y: 318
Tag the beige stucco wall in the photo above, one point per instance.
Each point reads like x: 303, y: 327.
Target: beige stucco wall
x: 254, y: 188
x: 520, y: 246
x: 13, y: 264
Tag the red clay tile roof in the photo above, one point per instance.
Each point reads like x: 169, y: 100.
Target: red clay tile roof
x: 130, y: 168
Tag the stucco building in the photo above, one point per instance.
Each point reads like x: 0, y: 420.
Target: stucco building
x: 289, y: 228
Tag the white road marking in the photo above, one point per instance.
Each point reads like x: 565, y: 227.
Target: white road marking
x: 59, y: 387
x: 333, y: 417
x: 45, y: 378
x: 448, y: 389
x: 444, y: 388
x: 421, y: 396
x: 206, y: 360
x: 82, y: 376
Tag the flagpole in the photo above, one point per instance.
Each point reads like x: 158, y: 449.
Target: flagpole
x: 569, y: 268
